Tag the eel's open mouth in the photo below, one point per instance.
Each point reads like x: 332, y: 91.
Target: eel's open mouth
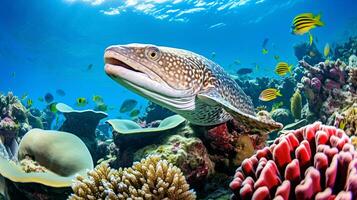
x: 110, y: 59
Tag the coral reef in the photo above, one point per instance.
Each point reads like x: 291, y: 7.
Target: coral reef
x: 326, y: 89
x: 129, y: 136
x: 313, y: 162
x: 307, y: 52
x: 347, y: 120
x: 345, y: 50
x: 49, y: 161
x: 188, y: 154
x: 13, y: 123
x: 155, y: 112
x: 282, y: 115
x: 296, y: 105
x: 82, y: 124
x: 228, y: 145
x: 151, y: 178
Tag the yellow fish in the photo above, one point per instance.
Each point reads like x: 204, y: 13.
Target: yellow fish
x: 97, y: 99
x: 282, y: 68
x: 303, y: 23
x: 81, y: 101
x: 53, y: 108
x: 269, y: 94
x: 326, y: 50
x: 24, y: 96
x: 264, y: 51
x: 29, y: 103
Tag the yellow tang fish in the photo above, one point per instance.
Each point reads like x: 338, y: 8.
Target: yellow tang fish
x: 303, y: 23
x: 97, y: 99
x: 282, y: 68
x: 81, y: 101
x: 269, y: 94
x: 326, y: 50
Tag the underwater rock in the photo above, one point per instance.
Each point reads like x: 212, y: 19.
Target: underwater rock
x: 345, y: 50
x: 151, y: 178
x: 154, y: 112
x: 49, y: 161
x: 82, y: 124
x: 129, y: 136
x: 13, y: 123
x: 282, y: 115
x: 188, y: 154
x: 307, y: 52
x: 326, y: 88
x: 316, y: 161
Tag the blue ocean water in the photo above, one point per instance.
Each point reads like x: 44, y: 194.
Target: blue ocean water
x: 48, y: 45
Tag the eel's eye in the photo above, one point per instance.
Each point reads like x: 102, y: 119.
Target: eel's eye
x: 153, y: 53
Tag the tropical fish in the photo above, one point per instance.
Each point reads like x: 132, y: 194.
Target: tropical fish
x: 81, y: 101
x: 89, y: 67
x: 244, y: 71
x: 40, y: 99
x: 52, y: 107
x: 265, y: 42
x: 326, y: 50
x: 277, y: 58
x: 269, y: 94
x: 303, y: 23
x: 134, y: 113
x: 311, y: 39
x: 29, y: 103
x: 97, y: 99
x: 282, y: 68
x: 60, y: 92
x: 237, y: 62
x: 264, y: 51
x: 128, y: 105
x: 24, y: 96
x: 101, y: 107
x: 203, y: 94
x: 48, y: 98
x: 13, y: 74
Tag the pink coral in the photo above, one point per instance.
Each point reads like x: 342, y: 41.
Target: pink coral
x: 313, y: 162
x: 220, y: 139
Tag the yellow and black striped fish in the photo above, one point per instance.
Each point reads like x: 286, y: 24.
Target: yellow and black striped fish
x: 282, y: 68
x: 269, y: 94
x: 303, y: 23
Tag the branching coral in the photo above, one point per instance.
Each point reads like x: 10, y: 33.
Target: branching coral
x: 151, y: 178
x: 313, y: 162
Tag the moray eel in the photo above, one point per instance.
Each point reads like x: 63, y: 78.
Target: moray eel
x: 184, y: 82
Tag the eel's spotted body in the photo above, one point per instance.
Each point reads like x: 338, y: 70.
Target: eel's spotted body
x: 184, y: 82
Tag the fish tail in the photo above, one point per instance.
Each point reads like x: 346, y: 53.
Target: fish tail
x: 278, y: 93
x: 318, y: 21
x: 290, y: 68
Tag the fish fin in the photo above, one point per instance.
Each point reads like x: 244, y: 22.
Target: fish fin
x: 278, y: 93
x: 318, y: 21
x: 252, y: 122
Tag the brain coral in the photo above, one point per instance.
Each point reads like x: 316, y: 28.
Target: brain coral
x: 151, y: 178
x: 313, y: 162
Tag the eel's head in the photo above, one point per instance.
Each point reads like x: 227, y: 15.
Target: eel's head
x: 170, y: 77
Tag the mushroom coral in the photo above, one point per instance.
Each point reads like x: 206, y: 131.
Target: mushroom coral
x: 151, y: 178
x: 61, y: 154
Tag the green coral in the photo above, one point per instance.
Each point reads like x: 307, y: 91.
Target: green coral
x: 296, y: 104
